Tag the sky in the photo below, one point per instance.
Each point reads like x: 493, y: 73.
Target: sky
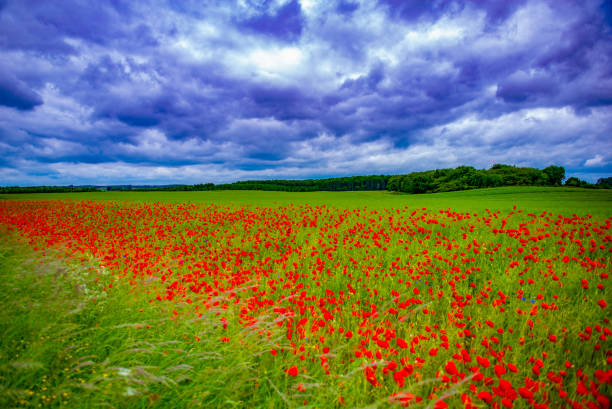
x: 189, y: 91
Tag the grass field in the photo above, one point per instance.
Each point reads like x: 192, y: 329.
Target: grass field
x: 557, y: 200
x: 486, y: 298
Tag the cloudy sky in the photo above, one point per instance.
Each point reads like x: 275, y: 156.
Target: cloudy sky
x: 189, y: 91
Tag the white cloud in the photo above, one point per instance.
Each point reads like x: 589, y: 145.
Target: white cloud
x: 274, y: 61
x: 597, y: 160
x: 524, y: 137
x: 153, y: 144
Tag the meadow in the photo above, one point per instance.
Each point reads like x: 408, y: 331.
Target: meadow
x: 566, y: 200
x: 486, y: 298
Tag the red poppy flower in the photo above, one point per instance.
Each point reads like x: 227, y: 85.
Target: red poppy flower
x: 293, y: 371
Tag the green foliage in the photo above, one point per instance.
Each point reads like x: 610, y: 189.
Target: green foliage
x: 350, y: 183
x: 555, y: 174
x: 374, y: 182
x: 576, y: 182
x: 394, y: 183
x: 467, y: 177
x: 605, y: 182
x: 417, y: 182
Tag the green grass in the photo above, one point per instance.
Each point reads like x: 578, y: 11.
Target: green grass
x: 67, y: 341
x: 563, y: 200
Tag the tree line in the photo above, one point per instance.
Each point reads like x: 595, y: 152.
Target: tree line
x: 439, y: 180
x: 373, y: 182
x: 47, y: 189
x: 468, y: 177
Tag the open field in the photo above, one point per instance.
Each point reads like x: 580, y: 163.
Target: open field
x: 554, y: 199
x: 488, y: 298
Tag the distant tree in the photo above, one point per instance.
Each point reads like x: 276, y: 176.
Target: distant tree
x: 605, y: 182
x: 467, y: 177
x: 442, y: 173
x: 464, y: 170
x: 417, y: 183
x: 394, y: 183
x: 47, y: 189
x: 555, y: 174
x: 575, y: 182
x: 476, y: 179
x: 500, y: 166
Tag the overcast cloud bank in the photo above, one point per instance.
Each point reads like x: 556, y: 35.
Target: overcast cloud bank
x: 115, y: 92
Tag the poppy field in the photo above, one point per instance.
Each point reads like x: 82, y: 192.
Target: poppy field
x: 153, y: 304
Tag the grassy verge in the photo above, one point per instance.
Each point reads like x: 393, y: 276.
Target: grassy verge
x: 65, y: 341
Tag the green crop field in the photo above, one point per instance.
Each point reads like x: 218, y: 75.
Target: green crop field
x: 564, y: 200
x: 249, y: 299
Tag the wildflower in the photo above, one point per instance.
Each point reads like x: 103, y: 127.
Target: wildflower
x: 293, y: 371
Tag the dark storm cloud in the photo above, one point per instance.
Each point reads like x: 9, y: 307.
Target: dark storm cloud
x: 366, y: 83
x: 283, y: 24
x: 415, y: 10
x: 282, y: 103
x: 521, y: 88
x: 45, y: 26
x: 346, y: 7
x: 98, y: 22
x: 16, y: 94
x: 606, y: 8
x: 275, y: 88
